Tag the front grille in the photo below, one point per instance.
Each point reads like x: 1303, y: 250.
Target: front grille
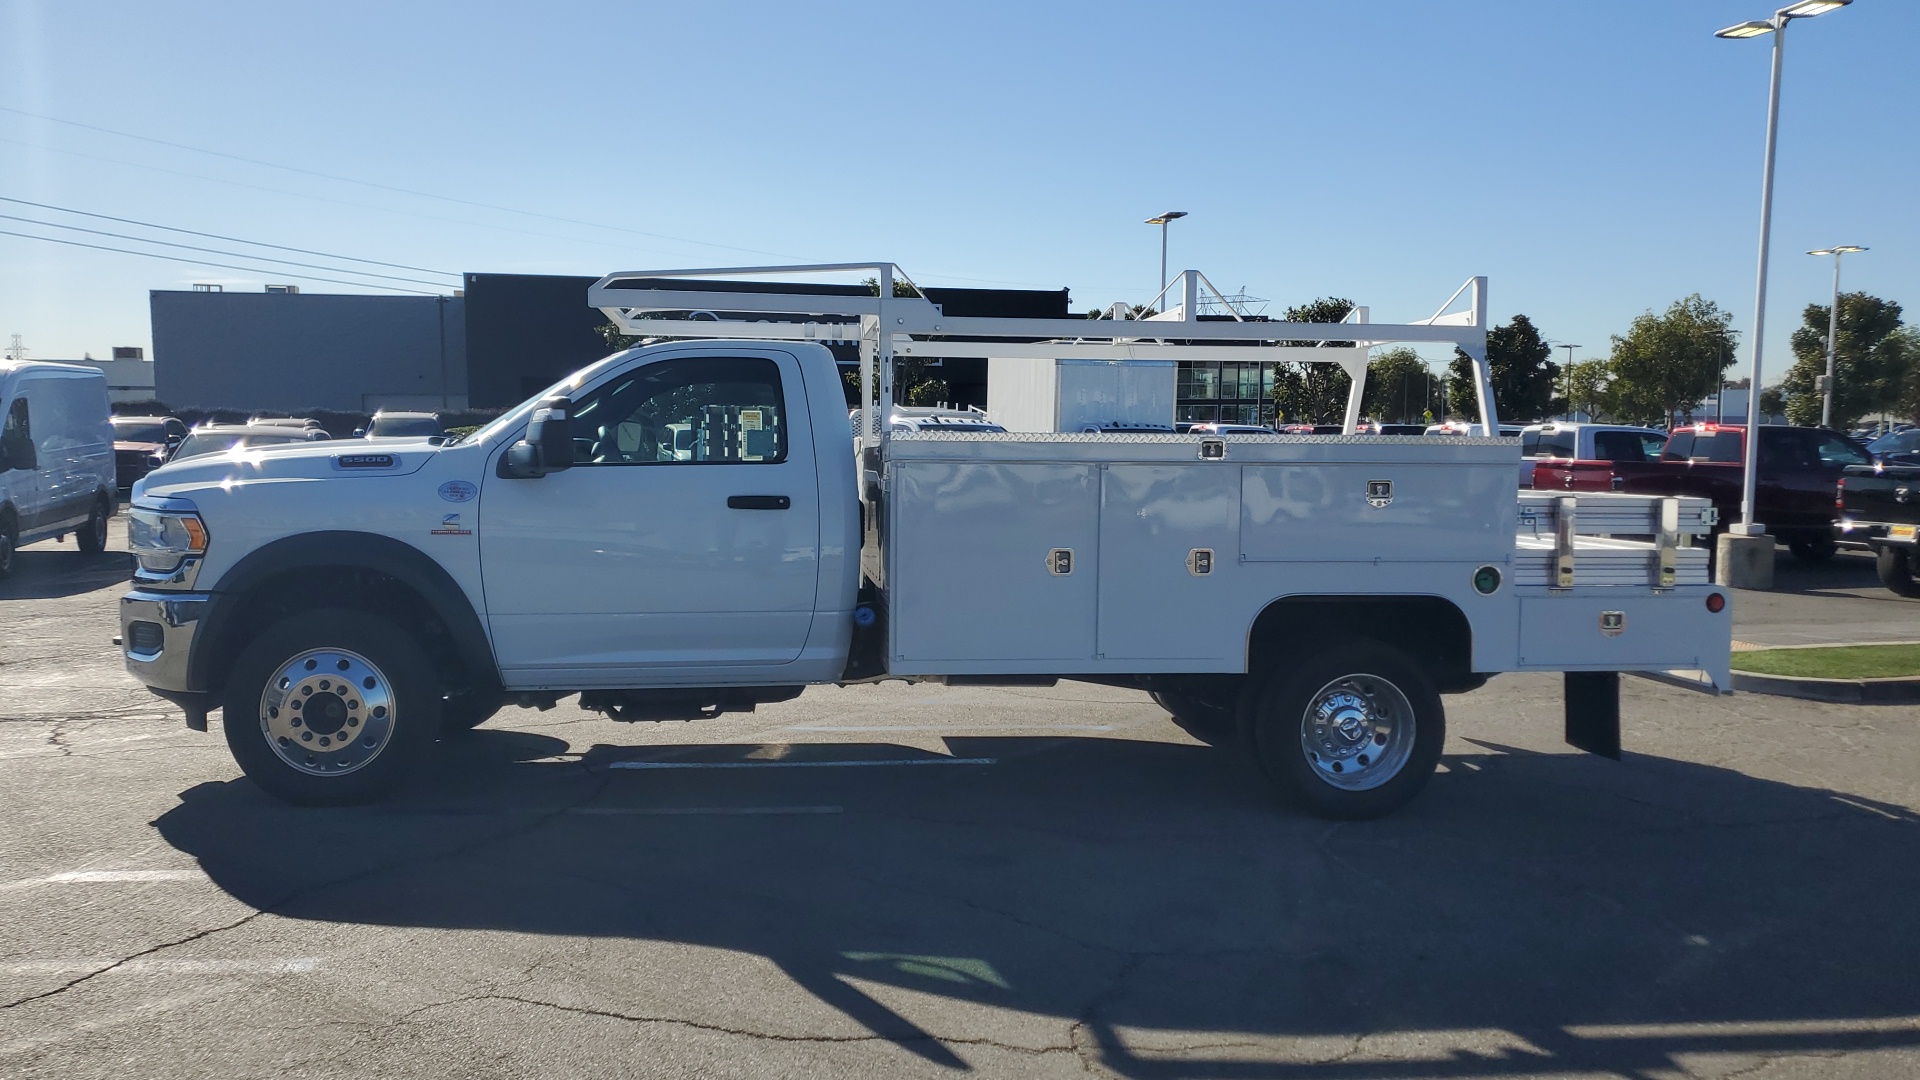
x: 144, y: 637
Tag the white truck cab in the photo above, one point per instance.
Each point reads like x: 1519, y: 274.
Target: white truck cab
x: 56, y: 456
x: 692, y: 527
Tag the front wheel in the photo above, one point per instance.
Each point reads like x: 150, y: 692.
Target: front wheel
x: 1895, y: 567
x: 330, y: 707
x: 92, y: 536
x: 1351, y: 732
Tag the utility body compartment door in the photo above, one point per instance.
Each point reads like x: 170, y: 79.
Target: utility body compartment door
x: 652, y: 560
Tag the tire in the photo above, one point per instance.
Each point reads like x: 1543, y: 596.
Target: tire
x: 1206, y: 721
x: 92, y: 537
x: 1895, y: 567
x: 1812, y: 549
x: 464, y: 712
x: 391, y: 708
x: 9, y: 541
x: 1373, y: 720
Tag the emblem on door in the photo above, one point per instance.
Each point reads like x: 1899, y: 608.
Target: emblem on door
x: 1613, y: 623
x: 1379, y: 493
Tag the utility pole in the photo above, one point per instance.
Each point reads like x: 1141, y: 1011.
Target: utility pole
x: 1570, y: 349
x: 1163, y: 221
x: 16, y: 351
x: 1833, y: 331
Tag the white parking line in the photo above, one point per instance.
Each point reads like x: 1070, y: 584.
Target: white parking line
x: 299, y: 965
x: 676, y: 811
x: 949, y: 727
x: 105, y: 877
x: 798, y: 764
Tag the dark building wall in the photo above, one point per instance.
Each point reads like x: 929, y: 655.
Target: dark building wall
x: 285, y: 352
x: 525, y: 332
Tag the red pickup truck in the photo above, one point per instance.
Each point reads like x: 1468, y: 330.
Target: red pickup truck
x: 1800, y: 469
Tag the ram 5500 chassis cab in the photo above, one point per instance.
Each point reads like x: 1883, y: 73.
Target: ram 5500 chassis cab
x: 692, y: 527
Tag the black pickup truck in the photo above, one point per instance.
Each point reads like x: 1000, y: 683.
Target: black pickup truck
x: 1880, y: 504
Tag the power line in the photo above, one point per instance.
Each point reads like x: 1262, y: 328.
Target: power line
x: 318, y: 198
x: 230, y: 239
x: 202, y: 262
x: 214, y: 251
x: 388, y: 187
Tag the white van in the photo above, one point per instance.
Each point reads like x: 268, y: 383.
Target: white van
x: 56, y: 456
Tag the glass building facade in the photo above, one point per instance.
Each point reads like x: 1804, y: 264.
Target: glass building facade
x: 1224, y: 392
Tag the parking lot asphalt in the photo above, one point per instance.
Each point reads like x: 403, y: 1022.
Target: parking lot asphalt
x: 986, y: 881
x: 1839, y: 602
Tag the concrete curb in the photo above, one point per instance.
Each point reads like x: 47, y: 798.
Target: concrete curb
x: 1896, y: 691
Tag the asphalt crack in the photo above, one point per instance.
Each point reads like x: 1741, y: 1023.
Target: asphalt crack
x: 142, y: 954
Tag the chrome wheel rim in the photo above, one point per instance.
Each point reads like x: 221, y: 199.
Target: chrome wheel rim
x: 327, y: 712
x: 1357, y: 732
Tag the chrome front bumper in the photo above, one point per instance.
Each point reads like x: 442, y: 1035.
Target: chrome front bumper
x: 160, y: 658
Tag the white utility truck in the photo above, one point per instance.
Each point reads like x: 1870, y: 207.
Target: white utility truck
x: 1313, y: 596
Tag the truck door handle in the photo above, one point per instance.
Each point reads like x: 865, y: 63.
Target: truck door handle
x: 758, y: 502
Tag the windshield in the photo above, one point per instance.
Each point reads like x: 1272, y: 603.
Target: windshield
x: 139, y: 429
x: 402, y: 426
x: 1900, y: 442
x: 200, y: 443
x: 517, y: 415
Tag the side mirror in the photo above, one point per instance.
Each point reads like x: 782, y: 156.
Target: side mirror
x: 548, y: 446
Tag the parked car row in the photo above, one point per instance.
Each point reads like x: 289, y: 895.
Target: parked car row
x: 144, y: 443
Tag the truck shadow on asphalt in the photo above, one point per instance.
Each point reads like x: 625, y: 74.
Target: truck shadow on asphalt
x: 1582, y: 915
x: 49, y: 572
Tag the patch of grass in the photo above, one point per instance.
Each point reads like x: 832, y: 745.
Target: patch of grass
x: 1839, y: 662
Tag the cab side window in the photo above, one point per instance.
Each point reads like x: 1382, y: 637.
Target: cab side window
x: 697, y: 410
x: 1836, y: 451
x: 16, y: 439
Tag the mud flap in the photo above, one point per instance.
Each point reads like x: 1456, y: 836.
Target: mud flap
x: 1593, y: 712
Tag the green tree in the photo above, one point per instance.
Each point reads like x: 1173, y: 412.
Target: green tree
x: 1313, y: 393
x: 1668, y: 363
x: 1872, y: 361
x: 1589, y: 386
x: 1522, y: 370
x: 1397, y: 386
x: 1772, y: 402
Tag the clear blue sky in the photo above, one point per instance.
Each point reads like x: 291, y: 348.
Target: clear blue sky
x: 1593, y: 159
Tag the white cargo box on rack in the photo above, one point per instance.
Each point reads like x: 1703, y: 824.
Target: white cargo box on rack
x: 1029, y: 394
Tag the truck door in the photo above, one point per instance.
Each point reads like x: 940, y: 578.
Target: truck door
x: 685, y: 539
x: 19, y: 464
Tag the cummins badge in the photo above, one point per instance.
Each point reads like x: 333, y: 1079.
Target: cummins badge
x: 1379, y: 493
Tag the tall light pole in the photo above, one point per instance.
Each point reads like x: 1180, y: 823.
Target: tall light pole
x: 1163, y: 221
x: 1777, y: 26
x: 1833, y: 330
x: 1569, y: 349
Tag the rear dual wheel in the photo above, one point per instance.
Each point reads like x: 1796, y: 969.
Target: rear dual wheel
x: 1353, y: 731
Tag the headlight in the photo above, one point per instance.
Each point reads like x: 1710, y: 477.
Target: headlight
x: 160, y: 538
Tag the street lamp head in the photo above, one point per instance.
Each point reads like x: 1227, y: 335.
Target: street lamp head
x: 1753, y: 28
x: 1847, y: 248
x: 1171, y: 215
x: 1807, y: 9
